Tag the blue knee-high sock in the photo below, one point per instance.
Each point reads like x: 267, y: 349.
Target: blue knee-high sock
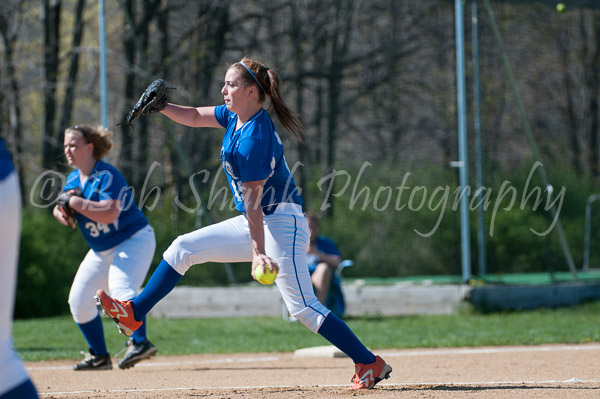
x: 140, y: 334
x: 93, y: 332
x: 339, y: 334
x: 25, y: 390
x: 162, y: 281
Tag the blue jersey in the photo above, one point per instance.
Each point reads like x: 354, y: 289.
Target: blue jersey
x: 6, y: 165
x: 325, y: 245
x: 106, y: 182
x: 255, y: 152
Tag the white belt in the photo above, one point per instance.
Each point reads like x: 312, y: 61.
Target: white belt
x: 288, y: 208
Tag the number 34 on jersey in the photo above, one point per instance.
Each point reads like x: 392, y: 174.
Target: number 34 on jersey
x: 96, y: 228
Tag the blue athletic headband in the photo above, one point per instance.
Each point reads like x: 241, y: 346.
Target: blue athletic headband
x: 253, y: 76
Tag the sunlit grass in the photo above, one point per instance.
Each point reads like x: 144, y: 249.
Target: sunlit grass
x: 59, y: 337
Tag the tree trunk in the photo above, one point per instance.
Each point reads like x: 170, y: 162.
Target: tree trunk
x: 298, y: 57
x: 51, y: 147
x: 129, y: 45
x: 51, y: 22
x: 74, y: 67
x: 339, y: 49
x: 136, y: 44
x: 9, y: 27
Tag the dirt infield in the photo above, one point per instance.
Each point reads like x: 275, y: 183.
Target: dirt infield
x: 550, y: 371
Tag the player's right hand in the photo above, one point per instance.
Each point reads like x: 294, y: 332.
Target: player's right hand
x: 62, y: 217
x: 263, y: 261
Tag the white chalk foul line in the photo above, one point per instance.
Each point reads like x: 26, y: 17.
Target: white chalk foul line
x: 478, y: 383
x: 176, y: 363
x: 404, y: 384
x: 229, y: 360
x: 478, y: 351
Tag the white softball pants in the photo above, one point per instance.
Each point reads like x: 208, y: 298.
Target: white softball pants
x: 12, y: 373
x: 286, y: 241
x: 120, y: 271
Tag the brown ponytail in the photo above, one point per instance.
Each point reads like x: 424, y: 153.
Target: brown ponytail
x: 268, y: 82
x: 99, y: 136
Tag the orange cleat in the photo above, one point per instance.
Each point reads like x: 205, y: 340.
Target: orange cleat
x: 367, y: 375
x: 120, y: 312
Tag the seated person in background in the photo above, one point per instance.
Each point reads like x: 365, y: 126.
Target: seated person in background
x: 323, y: 258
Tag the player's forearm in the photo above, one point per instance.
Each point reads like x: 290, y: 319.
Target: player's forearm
x: 191, y: 116
x: 335, y: 261
x: 332, y: 260
x: 252, y: 192
x: 257, y: 233
x: 105, y: 211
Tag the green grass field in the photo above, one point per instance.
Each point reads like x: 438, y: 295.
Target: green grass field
x: 59, y: 337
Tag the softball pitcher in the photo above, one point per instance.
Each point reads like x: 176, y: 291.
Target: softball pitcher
x: 271, y: 230
x: 14, y: 381
x: 97, y: 198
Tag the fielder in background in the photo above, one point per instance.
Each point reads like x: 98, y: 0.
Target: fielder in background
x: 323, y: 258
x: 14, y: 381
x: 97, y: 198
x: 271, y: 231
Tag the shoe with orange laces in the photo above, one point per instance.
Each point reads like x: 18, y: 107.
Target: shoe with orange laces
x: 120, y: 312
x: 367, y: 375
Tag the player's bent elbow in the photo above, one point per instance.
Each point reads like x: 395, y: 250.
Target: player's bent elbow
x: 107, y: 216
x: 108, y: 211
x: 111, y: 217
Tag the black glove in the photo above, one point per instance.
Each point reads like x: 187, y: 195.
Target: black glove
x: 154, y: 99
x: 62, y: 202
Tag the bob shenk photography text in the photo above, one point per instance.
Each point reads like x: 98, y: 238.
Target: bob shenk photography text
x: 408, y: 196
